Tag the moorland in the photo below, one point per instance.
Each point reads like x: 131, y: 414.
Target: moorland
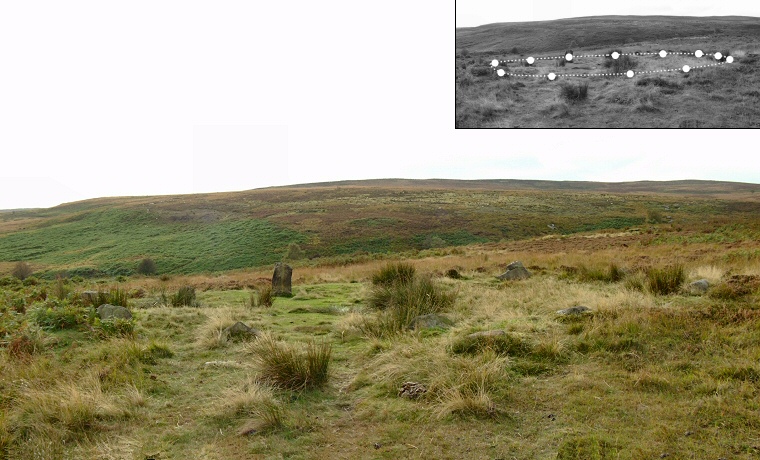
x: 657, y: 367
x: 715, y: 97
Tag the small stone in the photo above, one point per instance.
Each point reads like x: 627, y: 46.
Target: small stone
x: 699, y: 286
x: 239, y: 331
x: 576, y: 310
x: 431, y: 321
x: 515, y: 271
x: 107, y: 311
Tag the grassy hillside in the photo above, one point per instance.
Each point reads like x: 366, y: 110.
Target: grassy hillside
x: 644, y: 375
x: 225, y: 231
x: 715, y: 97
x: 541, y: 36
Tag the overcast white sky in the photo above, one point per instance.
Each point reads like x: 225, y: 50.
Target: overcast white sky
x: 161, y: 97
x: 470, y: 13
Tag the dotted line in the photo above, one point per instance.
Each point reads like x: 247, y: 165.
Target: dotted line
x: 600, y: 55
x: 610, y: 74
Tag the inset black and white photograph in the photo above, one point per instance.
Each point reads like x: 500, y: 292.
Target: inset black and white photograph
x: 596, y: 64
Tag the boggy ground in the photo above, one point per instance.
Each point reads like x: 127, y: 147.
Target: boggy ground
x: 644, y: 376
x: 716, y: 97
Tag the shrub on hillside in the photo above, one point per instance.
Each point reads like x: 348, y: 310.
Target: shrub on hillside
x: 665, y: 281
x: 621, y: 64
x: 185, y: 297
x: 58, y: 315
x: 147, y: 267
x: 285, y: 366
x: 612, y: 274
x: 263, y: 297
x: 481, y: 71
x: 400, y: 303
x: 393, y: 273
x: 574, y: 92
x: 22, y: 270
x: 294, y: 252
x: 504, y: 344
x: 114, y: 296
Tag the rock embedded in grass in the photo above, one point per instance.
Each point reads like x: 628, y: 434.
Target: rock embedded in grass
x: 430, y: 321
x: 515, y: 271
x: 240, y: 331
x: 699, y: 286
x: 576, y: 310
x: 107, y: 311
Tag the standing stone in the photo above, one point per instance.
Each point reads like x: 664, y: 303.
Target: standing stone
x: 281, y: 280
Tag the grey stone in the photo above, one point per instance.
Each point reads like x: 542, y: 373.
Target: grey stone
x: 699, y: 286
x: 577, y: 310
x: 239, y: 331
x: 494, y: 333
x: 281, y: 280
x: 430, y: 321
x: 107, y: 311
x: 515, y: 271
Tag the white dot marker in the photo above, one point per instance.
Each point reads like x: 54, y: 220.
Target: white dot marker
x: 500, y: 72
x: 615, y: 55
x: 718, y: 55
x: 730, y: 59
x: 629, y: 73
x: 531, y: 60
x: 551, y: 76
x: 686, y: 69
x: 663, y: 53
x: 495, y: 63
x: 699, y: 53
x: 569, y: 57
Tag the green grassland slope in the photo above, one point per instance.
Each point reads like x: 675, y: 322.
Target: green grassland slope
x: 225, y: 231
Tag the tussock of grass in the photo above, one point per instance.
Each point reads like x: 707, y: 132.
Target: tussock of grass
x: 400, y: 303
x: 184, y: 297
x: 291, y: 368
x: 612, y: 274
x: 393, y: 273
x: 263, y: 297
x: 574, y: 92
x: 665, y: 281
x: 621, y: 64
x: 253, y: 400
x: 210, y: 335
x: 466, y: 403
x: 67, y: 411
x: 505, y: 344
